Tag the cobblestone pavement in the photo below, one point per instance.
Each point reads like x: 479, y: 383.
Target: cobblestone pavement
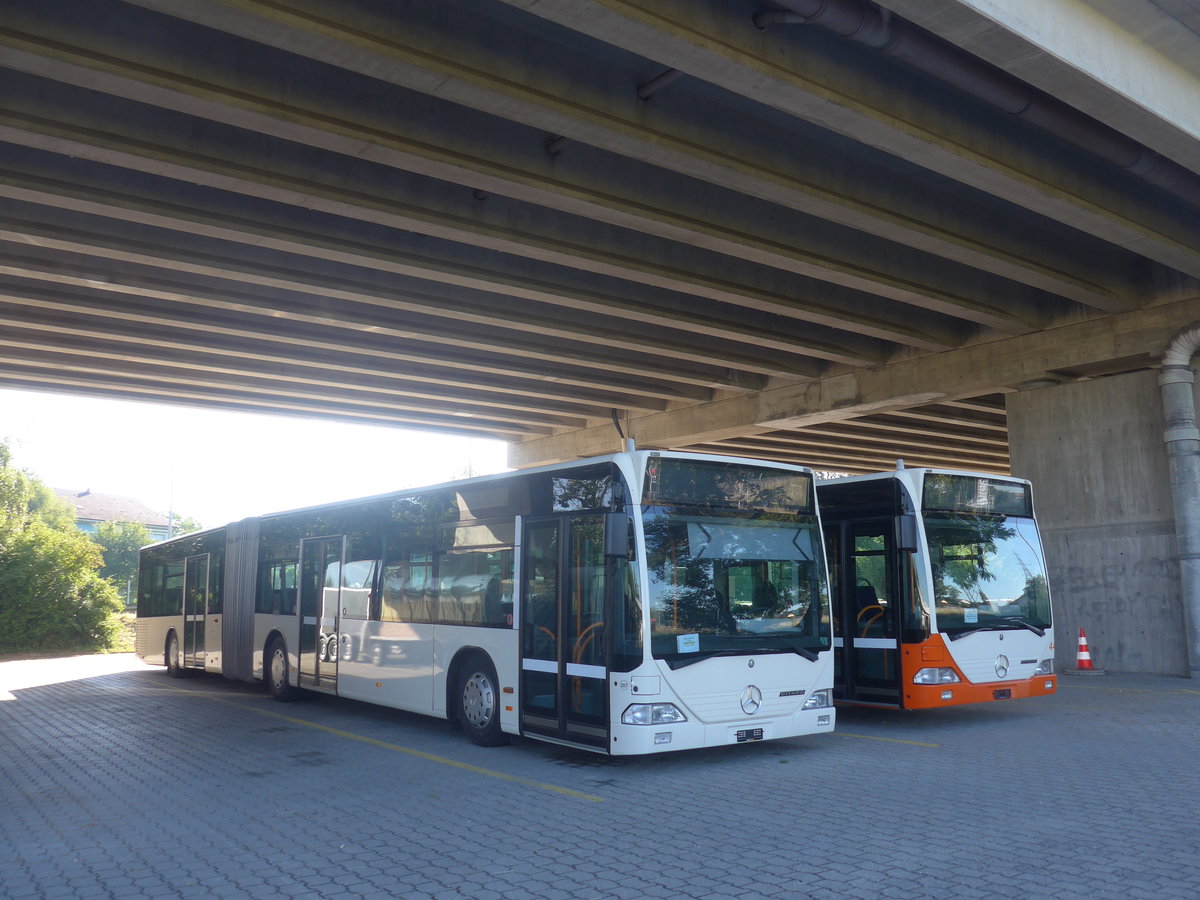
x: 116, y: 781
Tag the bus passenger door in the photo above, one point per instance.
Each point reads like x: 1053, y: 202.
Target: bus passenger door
x: 212, y: 622
x: 564, y: 674
x: 320, y: 600
x: 869, y: 607
x: 195, y: 609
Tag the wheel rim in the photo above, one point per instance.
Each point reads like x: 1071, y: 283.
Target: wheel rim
x: 479, y: 700
x: 278, y: 668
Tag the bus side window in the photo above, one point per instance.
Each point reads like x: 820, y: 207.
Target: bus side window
x: 358, y: 579
x: 391, y: 586
x: 287, y: 593
x: 172, y: 595
x: 276, y: 588
x: 406, y: 584
x: 475, y: 587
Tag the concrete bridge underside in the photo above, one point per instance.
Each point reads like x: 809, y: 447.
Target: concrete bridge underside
x: 826, y: 231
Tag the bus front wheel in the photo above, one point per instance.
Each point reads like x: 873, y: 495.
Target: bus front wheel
x: 479, y: 702
x: 174, y: 669
x: 278, y: 673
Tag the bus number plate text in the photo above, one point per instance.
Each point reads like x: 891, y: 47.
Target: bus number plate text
x: 1003, y: 694
x: 749, y: 734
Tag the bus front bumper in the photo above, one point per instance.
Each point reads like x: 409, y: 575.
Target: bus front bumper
x: 630, y: 740
x: 932, y: 696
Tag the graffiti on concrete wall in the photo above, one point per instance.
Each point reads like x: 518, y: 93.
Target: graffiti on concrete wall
x: 1125, y: 592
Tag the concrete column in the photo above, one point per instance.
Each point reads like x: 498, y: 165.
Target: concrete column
x: 1094, y: 452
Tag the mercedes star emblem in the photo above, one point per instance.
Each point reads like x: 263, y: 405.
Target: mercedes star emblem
x: 751, y: 700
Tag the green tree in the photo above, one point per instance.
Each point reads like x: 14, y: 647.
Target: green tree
x: 119, y: 543
x: 184, y: 525
x: 51, y: 594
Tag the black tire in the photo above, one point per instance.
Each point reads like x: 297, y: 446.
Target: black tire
x: 171, y: 656
x: 277, y: 673
x: 479, y: 701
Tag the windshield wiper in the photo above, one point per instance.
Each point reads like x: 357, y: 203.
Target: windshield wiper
x: 994, y: 625
x: 801, y: 650
x: 678, y: 662
x: 1024, y: 623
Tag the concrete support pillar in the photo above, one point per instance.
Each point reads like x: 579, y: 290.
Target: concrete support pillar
x: 1102, y: 485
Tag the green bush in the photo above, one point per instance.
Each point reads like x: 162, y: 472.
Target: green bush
x: 51, y: 594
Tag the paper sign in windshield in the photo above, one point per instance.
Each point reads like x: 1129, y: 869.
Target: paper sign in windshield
x: 687, y: 643
x: 970, y: 616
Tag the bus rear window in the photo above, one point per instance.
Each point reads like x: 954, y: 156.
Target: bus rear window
x: 708, y: 484
x: 986, y: 496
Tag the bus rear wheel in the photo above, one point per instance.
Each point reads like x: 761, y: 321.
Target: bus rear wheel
x: 278, y: 673
x: 171, y: 656
x: 479, y: 702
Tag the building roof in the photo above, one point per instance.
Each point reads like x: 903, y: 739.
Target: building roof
x: 89, y: 504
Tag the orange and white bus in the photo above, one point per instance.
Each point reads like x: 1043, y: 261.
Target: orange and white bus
x: 939, y: 589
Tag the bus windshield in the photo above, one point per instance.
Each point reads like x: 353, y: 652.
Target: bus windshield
x: 726, y: 582
x: 988, y: 572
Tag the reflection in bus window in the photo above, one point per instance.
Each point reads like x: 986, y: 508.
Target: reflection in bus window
x: 986, y: 568
x: 407, y: 588
x: 358, y: 577
x: 741, y: 579
x: 475, y: 587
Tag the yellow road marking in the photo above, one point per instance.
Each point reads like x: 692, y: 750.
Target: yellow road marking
x: 399, y: 748
x: 871, y: 737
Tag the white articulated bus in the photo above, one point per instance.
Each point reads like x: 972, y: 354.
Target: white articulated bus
x: 939, y: 589
x: 633, y: 603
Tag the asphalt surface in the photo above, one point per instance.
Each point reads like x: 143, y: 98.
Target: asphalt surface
x: 118, y: 781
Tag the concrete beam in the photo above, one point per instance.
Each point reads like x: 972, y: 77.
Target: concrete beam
x: 235, y: 401
x: 410, y: 207
x: 152, y: 332
x: 27, y: 338
x: 450, y: 69
x: 372, y: 307
x: 711, y: 41
x: 1126, y: 63
x: 958, y: 374
x: 52, y: 366
x: 298, y: 377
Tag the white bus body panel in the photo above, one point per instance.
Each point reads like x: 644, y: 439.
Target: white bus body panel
x: 150, y: 637
x: 978, y: 655
x: 714, y: 689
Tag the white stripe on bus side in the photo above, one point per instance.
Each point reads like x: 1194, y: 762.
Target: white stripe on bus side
x: 876, y: 643
x: 582, y: 671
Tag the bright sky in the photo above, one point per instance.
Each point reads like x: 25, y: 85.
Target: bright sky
x: 218, y: 467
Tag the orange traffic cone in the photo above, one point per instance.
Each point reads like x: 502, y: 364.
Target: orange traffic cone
x: 1083, y: 659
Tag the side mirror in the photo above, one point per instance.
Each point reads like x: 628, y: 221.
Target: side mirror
x: 616, y: 535
x: 906, y: 533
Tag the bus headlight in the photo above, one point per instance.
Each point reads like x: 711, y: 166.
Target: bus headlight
x: 1045, y: 667
x: 817, y: 700
x: 652, y: 714
x: 936, y: 676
